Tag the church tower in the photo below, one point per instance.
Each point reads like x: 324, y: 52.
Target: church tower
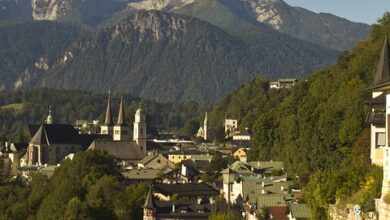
x: 381, y: 85
x: 139, y: 134
x: 205, y: 128
x: 49, y: 119
x: 149, y: 207
x: 121, y: 130
x: 107, y: 128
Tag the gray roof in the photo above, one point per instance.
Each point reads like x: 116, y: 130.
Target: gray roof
x: 125, y: 150
x: 382, y: 76
x: 186, y: 189
x: 56, y: 134
x: 300, y: 211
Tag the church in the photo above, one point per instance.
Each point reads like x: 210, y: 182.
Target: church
x: 121, y: 145
x: 51, y: 142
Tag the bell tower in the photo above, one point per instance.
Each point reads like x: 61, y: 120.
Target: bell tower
x: 121, y: 130
x: 107, y: 127
x: 139, y: 133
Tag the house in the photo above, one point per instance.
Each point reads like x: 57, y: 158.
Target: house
x: 377, y: 121
x: 178, y: 156
x: 11, y: 155
x: 240, y: 154
x: 191, y: 169
x: 135, y: 176
x: 190, y: 191
x: 155, y: 161
x: 245, y: 135
x: 231, y: 126
x: 286, y: 83
x: 155, y: 209
x: 381, y: 141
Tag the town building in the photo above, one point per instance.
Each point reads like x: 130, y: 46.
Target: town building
x: 242, y: 136
x: 197, y: 205
x: 240, y: 154
x: 381, y: 86
x: 286, y: 83
x: 178, y: 156
x: 231, y: 127
x: 139, y: 133
x: 155, y: 161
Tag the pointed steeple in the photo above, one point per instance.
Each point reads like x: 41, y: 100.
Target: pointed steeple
x: 121, y: 114
x: 149, y: 203
x: 108, y: 120
x: 382, y: 76
x: 205, y: 118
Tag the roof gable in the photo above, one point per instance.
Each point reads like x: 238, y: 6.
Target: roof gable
x: 55, y: 134
x: 382, y: 76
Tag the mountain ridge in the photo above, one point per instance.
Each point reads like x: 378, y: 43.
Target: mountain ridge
x: 173, y: 57
x: 319, y: 28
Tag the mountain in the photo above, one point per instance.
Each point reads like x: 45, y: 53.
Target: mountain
x: 83, y: 12
x: 27, y: 50
x: 236, y: 16
x: 174, y: 57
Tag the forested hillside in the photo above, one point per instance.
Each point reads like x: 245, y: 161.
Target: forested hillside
x: 319, y: 129
x: 175, y: 57
x: 22, y: 107
x: 27, y: 50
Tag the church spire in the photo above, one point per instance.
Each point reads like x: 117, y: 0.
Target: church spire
x: 149, y: 203
x: 121, y: 115
x: 108, y: 120
x: 382, y: 75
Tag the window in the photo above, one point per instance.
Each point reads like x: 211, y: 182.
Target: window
x: 380, y: 139
x: 142, y: 130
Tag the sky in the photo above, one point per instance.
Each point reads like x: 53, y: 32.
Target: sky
x: 366, y: 11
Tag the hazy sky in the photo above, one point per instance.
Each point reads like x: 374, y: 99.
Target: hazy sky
x: 367, y: 11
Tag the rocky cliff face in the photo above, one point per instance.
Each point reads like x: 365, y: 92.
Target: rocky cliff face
x: 50, y: 9
x: 166, y: 5
x: 322, y: 29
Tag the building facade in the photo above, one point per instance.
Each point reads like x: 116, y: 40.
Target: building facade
x: 139, y: 134
x: 381, y: 137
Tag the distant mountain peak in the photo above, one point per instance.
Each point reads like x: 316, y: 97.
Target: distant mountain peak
x: 166, y: 5
x: 154, y: 24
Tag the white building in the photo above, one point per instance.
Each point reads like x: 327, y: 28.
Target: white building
x: 231, y: 126
x: 283, y: 83
x: 139, y: 134
x: 381, y: 85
